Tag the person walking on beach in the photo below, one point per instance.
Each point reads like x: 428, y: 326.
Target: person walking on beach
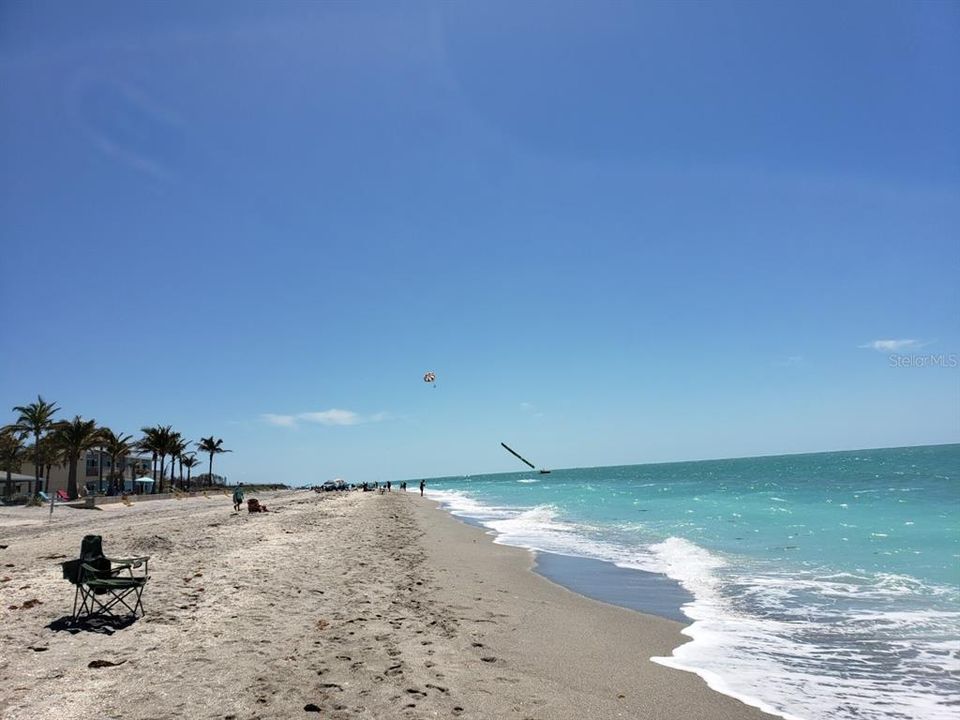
x: 238, y: 497
x: 388, y: 486
x: 422, y: 484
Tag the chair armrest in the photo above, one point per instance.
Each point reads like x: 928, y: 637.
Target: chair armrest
x: 129, y: 561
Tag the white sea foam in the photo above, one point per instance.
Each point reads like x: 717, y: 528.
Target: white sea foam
x: 527, y: 481
x: 798, y: 644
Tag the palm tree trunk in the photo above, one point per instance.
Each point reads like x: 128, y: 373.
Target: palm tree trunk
x: 72, y: 478
x: 210, y: 472
x: 188, y: 479
x: 163, y: 460
x: 36, y: 460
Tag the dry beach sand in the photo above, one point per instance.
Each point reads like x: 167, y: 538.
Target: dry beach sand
x: 350, y: 604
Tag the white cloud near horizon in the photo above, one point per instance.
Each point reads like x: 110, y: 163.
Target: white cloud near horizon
x: 891, y: 345
x: 333, y: 416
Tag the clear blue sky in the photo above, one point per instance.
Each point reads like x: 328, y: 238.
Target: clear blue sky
x: 618, y: 233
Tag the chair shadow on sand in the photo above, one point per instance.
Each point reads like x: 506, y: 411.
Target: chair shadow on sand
x: 103, y: 625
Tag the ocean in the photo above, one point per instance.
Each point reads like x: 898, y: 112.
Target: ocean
x: 816, y: 586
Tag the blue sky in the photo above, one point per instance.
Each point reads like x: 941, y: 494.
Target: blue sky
x: 617, y: 232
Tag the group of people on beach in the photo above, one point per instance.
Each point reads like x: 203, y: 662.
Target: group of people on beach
x: 238, y: 491
x: 403, y: 486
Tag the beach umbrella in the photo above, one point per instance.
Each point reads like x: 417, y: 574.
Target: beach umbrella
x: 144, y: 480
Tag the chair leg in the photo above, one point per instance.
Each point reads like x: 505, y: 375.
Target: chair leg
x: 75, y: 596
x: 119, y: 598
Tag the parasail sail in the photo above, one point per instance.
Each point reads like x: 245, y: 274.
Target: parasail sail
x: 518, y: 455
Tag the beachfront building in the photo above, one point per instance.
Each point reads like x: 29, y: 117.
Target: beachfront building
x: 93, y: 471
x: 14, y: 483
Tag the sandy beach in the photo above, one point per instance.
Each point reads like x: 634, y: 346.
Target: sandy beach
x: 341, y: 605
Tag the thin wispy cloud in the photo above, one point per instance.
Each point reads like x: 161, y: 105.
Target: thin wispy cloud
x: 279, y: 420
x: 892, y: 345
x: 331, y: 417
x: 125, y: 124
x: 530, y: 408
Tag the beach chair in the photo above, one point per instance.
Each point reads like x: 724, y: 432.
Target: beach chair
x: 61, y: 495
x: 105, y: 585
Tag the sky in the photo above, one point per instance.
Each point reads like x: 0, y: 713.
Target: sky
x: 617, y: 232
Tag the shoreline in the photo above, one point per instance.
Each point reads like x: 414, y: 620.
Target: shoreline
x: 607, y: 583
x: 357, y: 605
x: 641, y: 590
x: 603, y: 630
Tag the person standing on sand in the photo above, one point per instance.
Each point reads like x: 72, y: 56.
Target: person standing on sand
x: 422, y: 484
x: 238, y: 497
x: 388, y: 486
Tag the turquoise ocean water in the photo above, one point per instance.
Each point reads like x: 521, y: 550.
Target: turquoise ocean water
x: 824, y: 585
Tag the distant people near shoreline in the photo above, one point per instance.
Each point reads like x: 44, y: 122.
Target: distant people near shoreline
x: 403, y: 486
x: 238, y: 497
x: 388, y: 486
x: 423, y: 484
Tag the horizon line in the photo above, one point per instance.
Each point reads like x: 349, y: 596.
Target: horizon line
x: 681, y: 462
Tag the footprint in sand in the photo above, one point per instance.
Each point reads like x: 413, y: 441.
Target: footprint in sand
x: 416, y: 693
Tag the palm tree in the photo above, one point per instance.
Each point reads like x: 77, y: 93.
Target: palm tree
x: 12, y: 454
x: 49, y: 456
x: 189, y: 461
x: 177, y: 446
x: 74, y: 438
x: 150, y: 442
x: 214, y: 446
x: 117, y: 447
x: 158, y: 440
x: 35, y: 419
x: 169, y: 441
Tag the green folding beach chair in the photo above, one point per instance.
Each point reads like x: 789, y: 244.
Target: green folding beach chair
x: 105, y: 585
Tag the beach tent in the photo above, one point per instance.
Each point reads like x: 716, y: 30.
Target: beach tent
x: 141, y: 483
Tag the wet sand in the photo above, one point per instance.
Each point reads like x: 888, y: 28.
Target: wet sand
x: 345, y: 605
